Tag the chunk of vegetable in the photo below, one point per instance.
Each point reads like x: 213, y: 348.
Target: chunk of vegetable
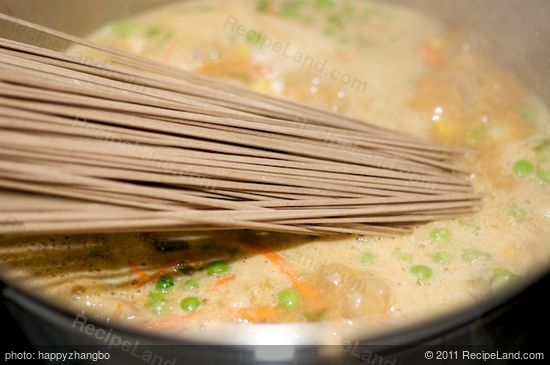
x: 288, y: 299
x: 123, y: 28
x: 542, y: 147
x: 473, y: 135
x: 224, y: 281
x: 470, y: 223
x: 262, y: 5
x: 217, y: 268
x: 190, y: 304
x: 292, y: 8
x: 421, y: 272
x: 254, y: 38
x: 285, y: 267
x: 402, y: 256
x: 153, y: 32
x: 156, y: 303
x: 528, y: 114
x: 518, y: 214
x: 523, y: 168
x: 260, y: 314
x: 430, y: 55
x: 442, y: 258
x: 325, y: 4
x: 502, y: 277
x: 191, y: 284
x: 440, y: 235
x: 473, y: 254
x: 164, y: 283
x: 367, y: 258
x: 544, y: 176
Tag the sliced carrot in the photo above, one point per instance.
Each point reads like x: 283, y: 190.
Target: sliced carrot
x: 117, y: 313
x: 430, y: 55
x: 286, y: 268
x: 142, y: 277
x: 223, y: 281
x: 261, y: 314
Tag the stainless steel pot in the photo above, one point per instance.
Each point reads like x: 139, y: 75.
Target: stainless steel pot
x: 519, y: 33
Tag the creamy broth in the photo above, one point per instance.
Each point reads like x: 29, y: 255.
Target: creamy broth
x: 377, y: 62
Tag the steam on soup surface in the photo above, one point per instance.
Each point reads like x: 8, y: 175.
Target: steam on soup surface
x: 377, y: 62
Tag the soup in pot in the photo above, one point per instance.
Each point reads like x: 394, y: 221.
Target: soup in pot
x: 381, y: 63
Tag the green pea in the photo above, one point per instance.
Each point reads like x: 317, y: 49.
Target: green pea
x: 518, y: 214
x: 123, y: 29
x: 344, y: 40
x: 367, y: 258
x: 502, y: 277
x: 254, y: 38
x: 523, y: 168
x: 164, y: 283
x: 542, y: 151
x: 470, y: 223
x: 191, y: 284
x: 544, y: 176
x: 189, y: 304
x: 153, y: 32
x: 369, y: 13
x: 542, y: 146
x: 217, y: 267
x: 156, y: 303
x: 292, y: 8
x: 348, y: 10
x: 421, y: 272
x: 325, y: 4
x: 329, y: 31
x: 335, y: 21
x: 262, y: 5
x: 528, y: 114
x: 288, y: 299
x: 442, y: 258
x: 402, y: 256
x: 440, y: 235
x: 473, y: 136
x: 473, y: 254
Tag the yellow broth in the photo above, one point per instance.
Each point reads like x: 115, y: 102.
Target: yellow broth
x: 380, y: 63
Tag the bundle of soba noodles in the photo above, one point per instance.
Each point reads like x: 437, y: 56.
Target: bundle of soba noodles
x: 133, y: 145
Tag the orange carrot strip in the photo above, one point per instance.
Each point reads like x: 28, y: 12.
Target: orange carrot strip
x: 117, y: 313
x: 260, y: 314
x: 142, y: 277
x: 286, y: 268
x: 167, y: 322
x: 430, y: 55
x: 223, y: 281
